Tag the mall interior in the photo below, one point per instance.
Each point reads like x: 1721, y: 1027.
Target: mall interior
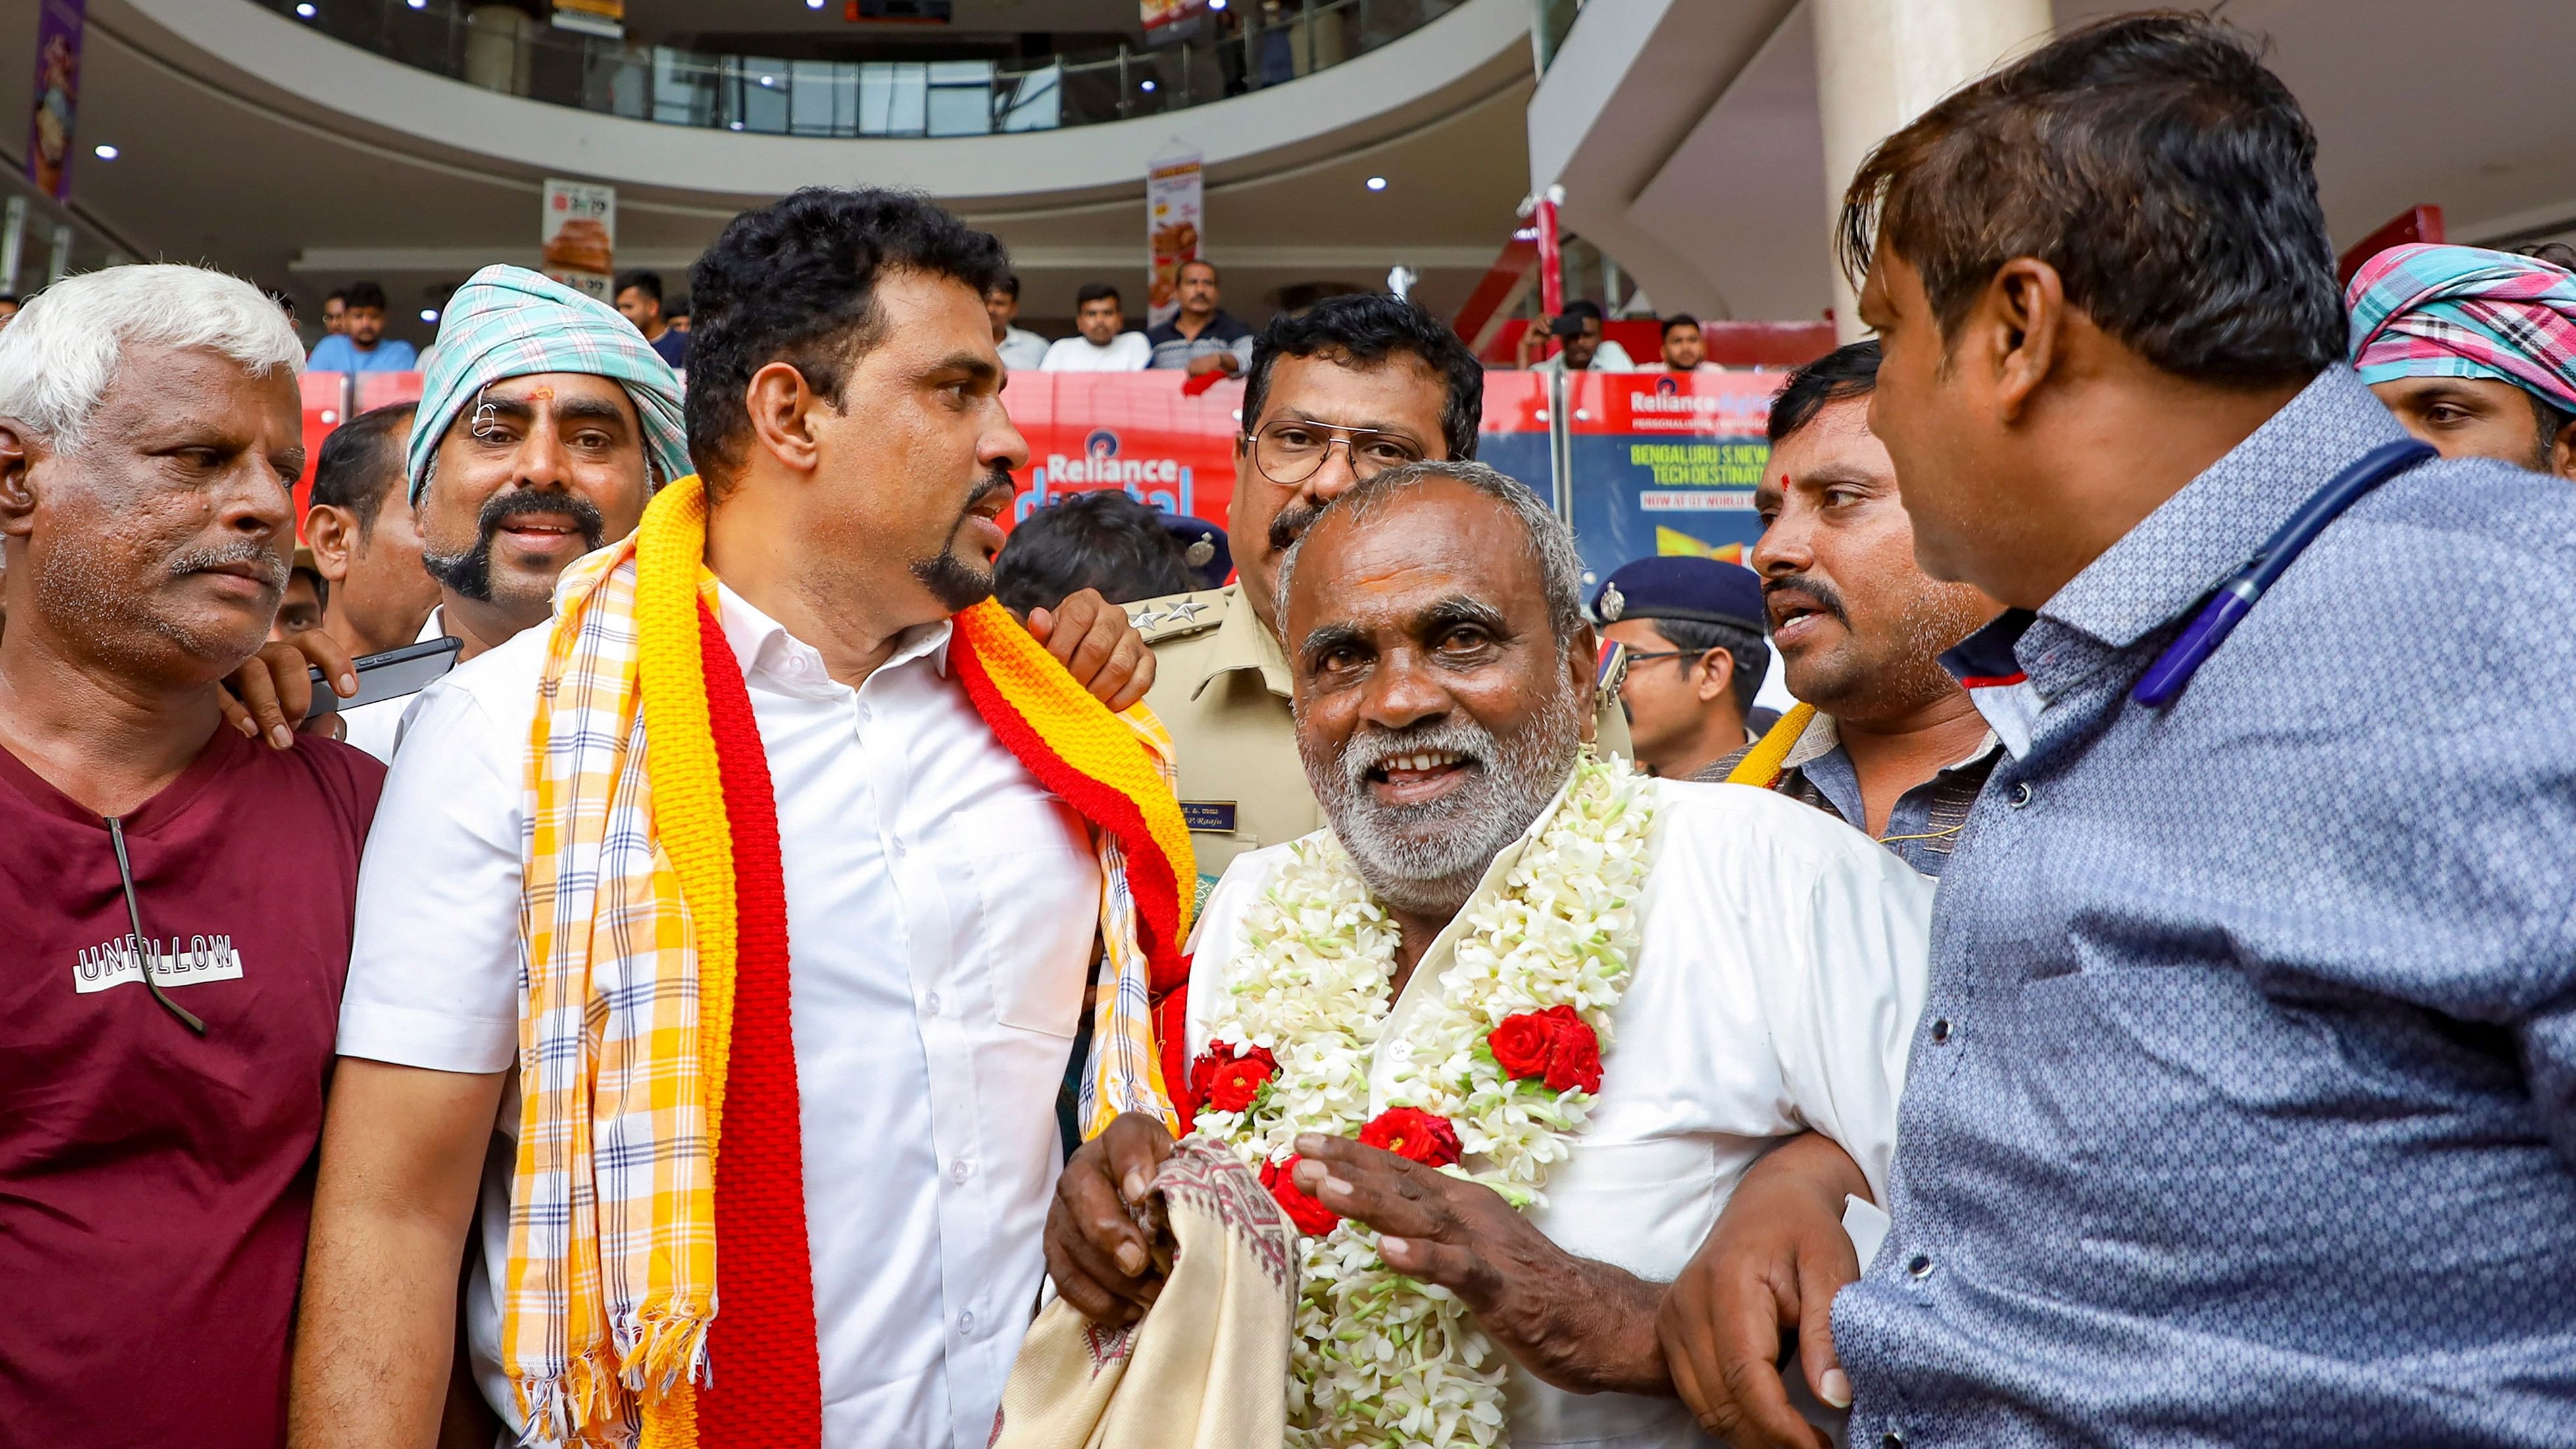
x: 1654, y: 157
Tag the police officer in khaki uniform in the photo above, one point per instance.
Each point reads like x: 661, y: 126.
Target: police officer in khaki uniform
x: 1356, y: 385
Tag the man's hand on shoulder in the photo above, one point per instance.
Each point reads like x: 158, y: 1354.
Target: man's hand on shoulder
x: 271, y: 696
x: 1104, y: 1228
x: 1096, y: 644
x: 1772, y: 1265
x: 1581, y: 1325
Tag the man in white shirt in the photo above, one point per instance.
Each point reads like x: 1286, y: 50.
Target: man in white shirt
x: 1587, y: 348
x: 1021, y: 349
x: 940, y: 904
x: 1763, y: 976
x: 1102, y: 344
x: 1686, y: 346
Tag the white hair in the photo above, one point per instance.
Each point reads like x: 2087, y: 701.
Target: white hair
x: 59, y: 356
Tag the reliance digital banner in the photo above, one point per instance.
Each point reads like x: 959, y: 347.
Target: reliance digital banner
x: 1134, y: 431
x: 1137, y: 431
x: 1666, y: 463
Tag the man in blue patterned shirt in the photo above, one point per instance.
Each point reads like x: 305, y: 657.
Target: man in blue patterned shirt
x: 2242, y: 1109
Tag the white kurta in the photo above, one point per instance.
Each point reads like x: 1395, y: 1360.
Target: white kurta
x: 940, y: 912
x: 1778, y: 972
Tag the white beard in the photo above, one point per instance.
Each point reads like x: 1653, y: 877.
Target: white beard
x: 1428, y: 858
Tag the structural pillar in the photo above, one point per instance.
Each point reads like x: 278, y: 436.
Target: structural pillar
x: 1881, y: 63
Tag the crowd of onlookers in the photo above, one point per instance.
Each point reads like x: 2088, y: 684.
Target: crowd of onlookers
x: 1201, y: 337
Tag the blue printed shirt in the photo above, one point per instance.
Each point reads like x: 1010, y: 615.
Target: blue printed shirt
x: 2242, y: 1109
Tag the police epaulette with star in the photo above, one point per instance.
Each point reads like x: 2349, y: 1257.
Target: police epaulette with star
x: 1177, y: 616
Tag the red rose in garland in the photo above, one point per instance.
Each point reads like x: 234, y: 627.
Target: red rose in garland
x: 1574, y: 1057
x: 1227, y: 1083
x: 1520, y: 1044
x: 1311, y: 1217
x: 1408, y: 1132
x: 1555, y: 1045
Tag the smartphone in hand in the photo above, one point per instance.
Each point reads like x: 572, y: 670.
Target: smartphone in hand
x: 390, y: 675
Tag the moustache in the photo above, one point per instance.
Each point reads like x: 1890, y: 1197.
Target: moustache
x: 273, y: 567
x: 1365, y: 754
x: 997, y: 481
x: 1292, y: 523
x: 1810, y: 588
x: 511, y: 503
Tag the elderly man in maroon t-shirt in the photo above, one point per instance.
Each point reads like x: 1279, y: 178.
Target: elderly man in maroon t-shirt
x: 176, y: 896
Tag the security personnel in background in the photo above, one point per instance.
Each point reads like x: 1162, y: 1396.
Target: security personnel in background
x: 1356, y: 385
x: 1692, y: 629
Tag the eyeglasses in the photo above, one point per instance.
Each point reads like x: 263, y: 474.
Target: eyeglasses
x: 1291, y: 450
x: 1642, y: 657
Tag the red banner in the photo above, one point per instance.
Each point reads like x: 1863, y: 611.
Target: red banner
x: 1130, y: 430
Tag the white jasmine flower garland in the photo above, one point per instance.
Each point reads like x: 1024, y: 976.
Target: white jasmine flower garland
x: 1381, y: 1358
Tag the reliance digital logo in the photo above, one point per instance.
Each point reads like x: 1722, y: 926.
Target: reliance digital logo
x: 1162, y: 482
x: 1665, y: 408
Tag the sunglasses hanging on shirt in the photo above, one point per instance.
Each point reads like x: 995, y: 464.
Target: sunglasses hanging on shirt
x: 143, y: 952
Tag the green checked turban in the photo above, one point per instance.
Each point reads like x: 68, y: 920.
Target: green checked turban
x: 510, y: 322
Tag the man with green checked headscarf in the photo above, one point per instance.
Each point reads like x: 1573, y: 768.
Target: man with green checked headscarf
x: 545, y: 423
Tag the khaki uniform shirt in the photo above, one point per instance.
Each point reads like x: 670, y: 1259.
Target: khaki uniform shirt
x: 1221, y: 686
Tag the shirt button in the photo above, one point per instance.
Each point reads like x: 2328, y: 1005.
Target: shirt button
x: 2021, y: 795
x: 1920, y: 1265
x: 934, y: 1003
x: 966, y: 1321
x: 960, y: 1172
x: 1940, y: 1026
x: 1892, y: 1439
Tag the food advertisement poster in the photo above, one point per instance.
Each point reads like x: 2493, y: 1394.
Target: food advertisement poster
x: 579, y: 232
x: 1172, y: 209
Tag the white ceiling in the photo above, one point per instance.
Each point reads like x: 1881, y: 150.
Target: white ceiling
x: 263, y: 190
x: 2475, y: 114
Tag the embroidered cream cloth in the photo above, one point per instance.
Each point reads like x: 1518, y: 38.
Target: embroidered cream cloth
x: 1207, y: 1366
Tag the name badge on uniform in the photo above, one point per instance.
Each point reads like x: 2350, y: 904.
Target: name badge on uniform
x: 1216, y: 817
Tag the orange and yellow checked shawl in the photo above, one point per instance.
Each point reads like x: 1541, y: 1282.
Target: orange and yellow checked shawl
x: 655, y: 1005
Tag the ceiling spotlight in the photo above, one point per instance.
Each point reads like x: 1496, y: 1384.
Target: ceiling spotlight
x: 769, y: 80
x: 305, y: 9
x: 1149, y: 85
x: 733, y: 125
x: 417, y: 4
x: 813, y: 4
x: 1377, y: 183
x: 429, y: 314
x: 104, y: 151
x: 1216, y: 4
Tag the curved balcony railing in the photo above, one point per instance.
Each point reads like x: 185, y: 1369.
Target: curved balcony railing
x: 1247, y: 47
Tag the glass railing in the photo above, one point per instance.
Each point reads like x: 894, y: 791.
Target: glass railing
x: 1246, y: 47
x: 42, y: 241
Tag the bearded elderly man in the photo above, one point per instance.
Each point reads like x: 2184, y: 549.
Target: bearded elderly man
x: 1593, y: 996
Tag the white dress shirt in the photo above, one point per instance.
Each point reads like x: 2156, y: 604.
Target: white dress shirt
x: 941, y: 907
x: 1608, y: 357
x: 1778, y: 972
x: 1022, y: 350
x: 1126, y: 352
x: 378, y: 728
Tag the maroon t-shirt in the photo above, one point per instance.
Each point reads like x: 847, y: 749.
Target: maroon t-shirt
x: 155, y: 1184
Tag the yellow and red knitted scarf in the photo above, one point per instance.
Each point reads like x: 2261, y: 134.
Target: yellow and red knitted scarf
x: 654, y: 1028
